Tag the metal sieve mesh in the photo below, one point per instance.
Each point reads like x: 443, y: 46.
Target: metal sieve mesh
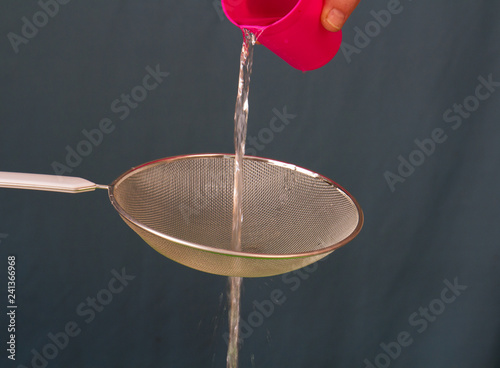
x: 182, y: 207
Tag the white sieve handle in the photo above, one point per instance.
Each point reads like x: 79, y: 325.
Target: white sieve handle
x: 51, y: 183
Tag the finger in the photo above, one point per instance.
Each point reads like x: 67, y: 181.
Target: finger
x: 336, y: 12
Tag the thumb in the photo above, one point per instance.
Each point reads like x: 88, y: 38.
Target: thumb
x: 336, y: 12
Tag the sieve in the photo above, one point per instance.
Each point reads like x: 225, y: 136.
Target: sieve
x: 182, y: 207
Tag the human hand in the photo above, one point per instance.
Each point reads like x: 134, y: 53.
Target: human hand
x: 336, y: 12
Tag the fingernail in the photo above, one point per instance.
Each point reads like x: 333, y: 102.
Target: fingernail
x: 336, y: 18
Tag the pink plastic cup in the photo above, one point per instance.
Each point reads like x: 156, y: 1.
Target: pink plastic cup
x: 290, y: 28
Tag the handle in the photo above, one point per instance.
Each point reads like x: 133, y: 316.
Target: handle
x: 50, y: 183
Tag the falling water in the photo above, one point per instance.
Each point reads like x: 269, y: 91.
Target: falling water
x: 240, y: 133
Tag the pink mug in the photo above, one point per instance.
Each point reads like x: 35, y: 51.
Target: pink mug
x: 290, y: 28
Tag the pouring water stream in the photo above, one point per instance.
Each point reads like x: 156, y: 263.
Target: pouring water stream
x: 240, y: 133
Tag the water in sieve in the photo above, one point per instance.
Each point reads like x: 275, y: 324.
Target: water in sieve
x: 240, y: 133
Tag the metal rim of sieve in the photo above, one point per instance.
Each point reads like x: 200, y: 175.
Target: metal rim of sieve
x: 232, y: 253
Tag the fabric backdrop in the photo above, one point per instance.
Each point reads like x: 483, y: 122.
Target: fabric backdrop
x: 406, y: 117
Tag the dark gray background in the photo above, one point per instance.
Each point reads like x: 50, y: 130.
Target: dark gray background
x: 353, y: 120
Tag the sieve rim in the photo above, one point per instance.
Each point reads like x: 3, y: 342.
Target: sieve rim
x: 232, y: 253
